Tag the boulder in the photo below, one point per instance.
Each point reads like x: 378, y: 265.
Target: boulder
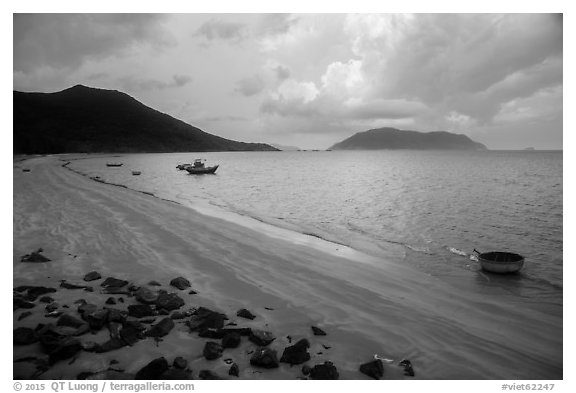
x: 297, y: 353
x: 87, y: 308
x: 154, y: 283
x: 317, y: 331
x: 114, y: 283
x: 65, y: 349
x: 234, y: 370
x: 140, y: 310
x: 92, y: 276
x: 24, y: 336
x: 180, y: 363
x: 24, y: 315
x: 243, y: 313
x: 169, y: 301
x: 51, y: 307
x: 180, y: 283
x: 231, y: 340
x: 374, y: 369
x: 96, y: 319
x: 261, y: 338
x: 46, y: 299
x: 265, y: 358
x: 324, y: 371
x: 69, y: 285
x: 178, y: 315
x: 21, y: 303
x: 146, y: 296
x: 153, y: 370
x: 111, y: 301
x: 110, y: 345
x: 161, y: 329
x: 34, y: 292
x: 408, y: 370
x: 131, y: 334
x: 212, y: 350
x: 69, y: 320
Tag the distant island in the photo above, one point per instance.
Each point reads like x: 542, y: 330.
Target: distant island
x: 392, y: 138
x: 88, y: 120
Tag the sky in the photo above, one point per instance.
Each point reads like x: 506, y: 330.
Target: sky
x: 312, y: 80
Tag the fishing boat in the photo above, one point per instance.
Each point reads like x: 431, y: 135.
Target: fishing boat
x: 136, y: 173
x: 198, y: 168
x: 500, y: 262
x: 114, y: 164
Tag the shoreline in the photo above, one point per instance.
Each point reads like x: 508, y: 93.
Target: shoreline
x: 366, y: 309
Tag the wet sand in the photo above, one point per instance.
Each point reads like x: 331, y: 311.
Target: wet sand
x: 289, y: 281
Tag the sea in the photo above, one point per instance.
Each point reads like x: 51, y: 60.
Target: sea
x: 428, y: 209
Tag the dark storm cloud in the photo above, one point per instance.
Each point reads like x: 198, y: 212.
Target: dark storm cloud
x: 65, y: 41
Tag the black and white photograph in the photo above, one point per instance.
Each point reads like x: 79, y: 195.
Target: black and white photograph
x: 287, y: 196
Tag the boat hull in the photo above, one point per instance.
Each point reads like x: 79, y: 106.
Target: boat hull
x: 501, y: 262
x: 201, y: 171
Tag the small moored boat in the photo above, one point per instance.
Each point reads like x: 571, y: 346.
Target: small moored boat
x: 198, y: 168
x: 114, y: 164
x: 136, y: 173
x: 500, y: 262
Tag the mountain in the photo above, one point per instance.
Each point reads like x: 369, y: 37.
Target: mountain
x: 392, y: 138
x: 85, y: 119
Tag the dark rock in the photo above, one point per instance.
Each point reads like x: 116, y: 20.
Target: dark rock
x: 130, y: 323
x: 22, y: 288
x: 65, y: 349
x: 153, y: 370
x: 207, y: 374
x: 234, y: 370
x: 89, y: 289
x: 161, y: 311
x: 374, y: 369
x: 115, y: 315
x: 140, y: 310
x: 110, y: 345
x: 306, y: 370
x: 243, y: 313
x: 146, y: 296
x: 131, y: 334
x: 261, y: 337
x: 161, y: 329
x: 24, y: 315
x: 241, y: 331
x: 148, y: 320
x: 169, y: 301
x: 96, y: 319
x: 317, y: 331
x: 177, y: 374
x: 180, y: 283
x: 52, y: 307
x: 180, y: 363
x: 24, y: 336
x: 231, y: 340
x: 324, y: 371
x: 154, y: 283
x: 92, y: 276
x: 34, y: 292
x: 212, y: 350
x: 121, y: 300
x: 211, y: 333
x: 110, y: 300
x: 46, y: 299
x: 87, y: 308
x: 35, y: 257
x: 69, y: 320
x: 21, y: 303
x: 115, y: 291
x: 114, y: 329
x: 69, y: 285
x: 192, y: 292
x: 178, y: 315
x: 265, y: 358
x: 297, y: 353
x: 114, y: 283
x: 408, y: 370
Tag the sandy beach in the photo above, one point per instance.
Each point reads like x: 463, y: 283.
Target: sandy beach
x: 289, y: 281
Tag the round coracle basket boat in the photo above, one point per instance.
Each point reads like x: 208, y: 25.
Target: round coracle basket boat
x: 500, y: 262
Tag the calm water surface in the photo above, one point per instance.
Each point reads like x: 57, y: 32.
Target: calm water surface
x: 427, y: 209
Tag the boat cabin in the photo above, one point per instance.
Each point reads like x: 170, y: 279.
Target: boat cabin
x: 198, y: 163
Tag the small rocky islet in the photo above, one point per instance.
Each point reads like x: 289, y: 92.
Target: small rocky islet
x: 152, y: 313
